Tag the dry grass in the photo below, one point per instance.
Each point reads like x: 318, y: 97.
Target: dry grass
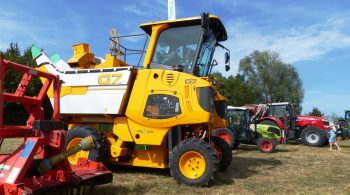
x: 292, y: 169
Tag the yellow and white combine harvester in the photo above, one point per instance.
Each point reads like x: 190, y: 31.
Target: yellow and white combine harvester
x: 160, y: 115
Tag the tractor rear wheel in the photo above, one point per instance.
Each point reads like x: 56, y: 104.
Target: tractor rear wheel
x: 223, y: 152
x: 194, y: 162
x: 313, y: 136
x: 225, y: 134
x: 267, y: 145
x: 79, y: 132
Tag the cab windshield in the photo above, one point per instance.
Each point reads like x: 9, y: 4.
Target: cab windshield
x: 176, y: 46
x: 206, y: 54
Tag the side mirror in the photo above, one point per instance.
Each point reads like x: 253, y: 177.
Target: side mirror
x: 227, y: 68
x: 227, y: 58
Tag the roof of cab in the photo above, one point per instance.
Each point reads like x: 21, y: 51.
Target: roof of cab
x: 215, y: 23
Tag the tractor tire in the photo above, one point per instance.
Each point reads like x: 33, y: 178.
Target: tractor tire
x: 225, y: 134
x: 73, y: 138
x: 267, y: 145
x: 313, y: 136
x: 194, y: 162
x: 223, y: 152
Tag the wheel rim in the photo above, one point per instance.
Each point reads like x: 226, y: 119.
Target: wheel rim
x: 266, y: 145
x: 192, y: 164
x: 226, y: 137
x: 73, y: 159
x: 312, y: 137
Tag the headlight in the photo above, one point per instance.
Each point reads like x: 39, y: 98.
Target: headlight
x: 161, y: 106
x: 206, y: 98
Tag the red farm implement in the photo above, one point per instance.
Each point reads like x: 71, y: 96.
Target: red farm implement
x: 39, y: 163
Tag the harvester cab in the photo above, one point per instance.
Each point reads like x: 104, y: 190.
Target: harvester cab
x: 185, y: 45
x: 158, y: 116
x: 188, y: 45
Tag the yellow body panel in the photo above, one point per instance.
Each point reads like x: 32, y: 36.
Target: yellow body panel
x: 156, y: 157
x: 65, y: 90
x: 111, y: 61
x: 82, y: 57
x: 218, y: 121
x: 121, y: 129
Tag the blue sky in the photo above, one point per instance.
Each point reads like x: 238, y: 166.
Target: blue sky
x: 312, y: 35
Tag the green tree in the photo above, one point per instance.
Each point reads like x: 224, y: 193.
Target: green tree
x: 273, y: 80
x: 236, y: 89
x: 316, y: 112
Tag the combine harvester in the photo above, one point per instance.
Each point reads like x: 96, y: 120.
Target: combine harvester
x: 40, y: 163
x: 160, y: 115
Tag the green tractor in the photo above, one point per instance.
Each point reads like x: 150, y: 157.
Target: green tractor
x: 343, y: 131
x: 345, y: 122
x: 265, y: 136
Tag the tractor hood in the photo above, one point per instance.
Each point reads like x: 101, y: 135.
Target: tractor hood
x: 313, y: 120
x: 306, y: 117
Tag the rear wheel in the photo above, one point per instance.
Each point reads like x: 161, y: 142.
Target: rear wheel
x: 267, y: 145
x: 223, y: 152
x: 225, y: 134
x: 313, y: 136
x: 73, y: 138
x: 194, y: 162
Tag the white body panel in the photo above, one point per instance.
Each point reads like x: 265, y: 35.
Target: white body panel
x: 104, y: 94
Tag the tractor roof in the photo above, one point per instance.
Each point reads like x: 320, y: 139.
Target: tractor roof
x: 215, y: 24
x: 236, y: 108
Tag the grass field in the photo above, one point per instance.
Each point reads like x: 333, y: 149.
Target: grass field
x: 292, y: 169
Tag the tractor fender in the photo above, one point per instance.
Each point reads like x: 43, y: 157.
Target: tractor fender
x: 271, y: 120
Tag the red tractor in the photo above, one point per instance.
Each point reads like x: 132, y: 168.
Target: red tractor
x: 311, y: 130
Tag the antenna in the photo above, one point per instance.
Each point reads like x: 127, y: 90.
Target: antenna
x: 171, y: 10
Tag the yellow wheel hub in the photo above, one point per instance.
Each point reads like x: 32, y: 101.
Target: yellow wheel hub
x: 192, y: 164
x: 73, y: 159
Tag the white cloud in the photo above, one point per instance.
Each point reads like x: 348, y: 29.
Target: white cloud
x: 293, y: 44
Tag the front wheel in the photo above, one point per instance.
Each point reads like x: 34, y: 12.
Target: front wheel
x: 267, y: 145
x: 313, y: 136
x: 194, y: 162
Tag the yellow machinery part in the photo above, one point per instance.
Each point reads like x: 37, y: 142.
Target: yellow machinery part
x: 218, y: 121
x: 121, y: 129
x: 82, y: 57
x: 156, y: 29
x: 155, y: 157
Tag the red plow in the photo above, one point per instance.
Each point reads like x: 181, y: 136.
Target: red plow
x: 39, y: 164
